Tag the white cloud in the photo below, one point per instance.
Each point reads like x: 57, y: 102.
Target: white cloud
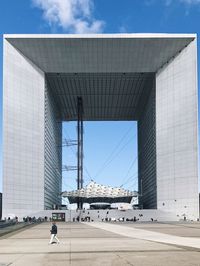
x: 73, y: 16
x: 168, y: 2
x: 123, y: 29
x: 190, y: 2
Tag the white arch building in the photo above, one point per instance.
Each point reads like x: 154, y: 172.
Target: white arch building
x: 149, y: 78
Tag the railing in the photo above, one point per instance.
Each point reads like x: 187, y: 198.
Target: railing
x: 7, y: 223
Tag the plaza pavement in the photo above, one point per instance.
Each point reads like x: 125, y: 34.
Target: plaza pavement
x: 104, y: 244
x: 149, y: 235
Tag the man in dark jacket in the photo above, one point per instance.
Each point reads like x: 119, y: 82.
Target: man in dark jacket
x: 54, y: 231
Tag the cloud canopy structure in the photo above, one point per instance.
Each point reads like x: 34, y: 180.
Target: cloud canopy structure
x: 94, y: 192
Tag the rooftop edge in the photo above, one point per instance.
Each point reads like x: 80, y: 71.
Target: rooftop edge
x: 113, y: 35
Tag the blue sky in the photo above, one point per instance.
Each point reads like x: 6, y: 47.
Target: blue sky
x: 107, y: 16
x: 110, y: 153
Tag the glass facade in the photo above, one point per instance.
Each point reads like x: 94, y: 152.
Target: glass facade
x: 147, y: 152
x: 52, y: 151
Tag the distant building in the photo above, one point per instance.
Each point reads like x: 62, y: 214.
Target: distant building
x: 0, y: 205
x: 199, y: 205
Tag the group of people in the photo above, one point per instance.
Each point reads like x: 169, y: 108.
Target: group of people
x: 54, y: 229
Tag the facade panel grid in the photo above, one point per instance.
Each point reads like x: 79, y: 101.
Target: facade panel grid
x: 147, y: 153
x: 53, y: 152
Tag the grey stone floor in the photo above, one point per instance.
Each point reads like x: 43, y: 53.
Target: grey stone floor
x: 184, y: 229
x: 82, y: 244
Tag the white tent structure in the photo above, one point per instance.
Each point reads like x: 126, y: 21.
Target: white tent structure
x: 95, y: 192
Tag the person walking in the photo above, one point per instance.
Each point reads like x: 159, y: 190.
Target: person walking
x: 54, y: 231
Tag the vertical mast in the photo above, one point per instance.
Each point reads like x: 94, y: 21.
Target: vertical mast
x: 80, y: 146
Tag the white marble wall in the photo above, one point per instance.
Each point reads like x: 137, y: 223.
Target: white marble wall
x: 177, y: 135
x: 23, y: 134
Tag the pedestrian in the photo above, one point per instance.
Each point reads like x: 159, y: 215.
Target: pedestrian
x: 54, y: 231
